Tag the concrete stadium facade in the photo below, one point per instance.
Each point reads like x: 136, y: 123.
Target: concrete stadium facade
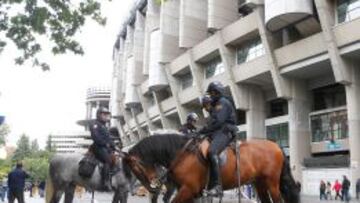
x: 292, y: 68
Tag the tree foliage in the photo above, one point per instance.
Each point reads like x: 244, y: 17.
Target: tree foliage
x: 4, y: 132
x: 23, y: 148
x: 34, y: 148
x: 23, y: 21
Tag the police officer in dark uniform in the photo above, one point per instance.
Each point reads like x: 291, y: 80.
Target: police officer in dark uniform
x: 103, y: 145
x: 16, y: 184
x: 219, y: 128
x: 189, y: 127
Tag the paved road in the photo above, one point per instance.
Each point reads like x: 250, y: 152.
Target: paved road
x: 106, y: 198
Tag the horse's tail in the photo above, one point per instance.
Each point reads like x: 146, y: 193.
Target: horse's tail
x: 289, y: 189
x: 49, y: 190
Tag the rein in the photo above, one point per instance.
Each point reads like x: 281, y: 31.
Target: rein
x: 162, y: 178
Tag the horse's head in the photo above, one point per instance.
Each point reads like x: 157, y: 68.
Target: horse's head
x: 145, y: 173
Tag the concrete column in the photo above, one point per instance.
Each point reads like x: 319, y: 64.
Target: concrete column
x: 270, y: 43
x: 299, y: 128
x: 141, y: 132
x: 353, y: 111
x: 164, y: 121
x: 175, y: 87
x: 327, y: 21
x: 127, y: 118
x: 145, y: 107
x: 256, y: 114
x: 88, y: 110
x: 197, y: 73
x: 228, y: 58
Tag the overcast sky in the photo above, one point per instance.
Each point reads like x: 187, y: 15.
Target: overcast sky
x: 37, y: 103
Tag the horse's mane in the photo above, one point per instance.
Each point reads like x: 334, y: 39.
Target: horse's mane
x: 158, y: 149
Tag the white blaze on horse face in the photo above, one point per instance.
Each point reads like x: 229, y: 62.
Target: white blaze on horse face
x: 155, y: 183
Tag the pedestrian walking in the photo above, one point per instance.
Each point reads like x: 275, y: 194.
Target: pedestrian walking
x: 2, y: 192
x: 358, y: 189
x: 337, y: 187
x: 42, y: 189
x: 345, y: 189
x: 328, y: 191
x: 322, y: 190
x: 16, y: 183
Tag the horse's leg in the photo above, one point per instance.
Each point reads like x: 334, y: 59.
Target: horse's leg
x: 56, y: 196
x: 262, y: 193
x: 153, y: 197
x: 184, y: 196
x: 124, y: 197
x: 274, y: 191
x: 69, y: 193
x: 116, y: 197
x: 170, y: 189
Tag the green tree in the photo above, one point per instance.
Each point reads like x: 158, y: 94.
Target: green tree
x: 24, y: 22
x: 34, y: 148
x: 4, y: 132
x: 23, y: 148
x: 37, y: 167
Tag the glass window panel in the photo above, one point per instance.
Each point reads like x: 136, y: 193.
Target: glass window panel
x: 348, y: 10
x: 329, y: 126
x: 250, y: 50
x: 278, y: 133
x: 214, y: 67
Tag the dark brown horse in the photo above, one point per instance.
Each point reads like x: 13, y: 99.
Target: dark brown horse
x: 261, y: 162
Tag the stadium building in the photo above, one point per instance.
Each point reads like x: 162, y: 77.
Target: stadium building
x: 292, y: 68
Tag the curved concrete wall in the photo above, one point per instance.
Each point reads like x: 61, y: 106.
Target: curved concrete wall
x: 169, y: 29
x: 157, y: 76
x: 222, y: 13
x: 138, y: 50
x: 280, y: 13
x: 193, y: 22
x: 131, y: 97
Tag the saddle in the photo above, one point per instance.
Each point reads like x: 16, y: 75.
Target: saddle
x: 88, y: 164
x: 201, y: 146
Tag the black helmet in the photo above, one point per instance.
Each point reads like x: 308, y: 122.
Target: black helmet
x: 206, y: 100
x: 192, y: 117
x: 102, y: 110
x: 216, y: 86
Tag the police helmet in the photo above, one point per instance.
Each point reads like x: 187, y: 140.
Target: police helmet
x: 217, y: 87
x: 192, y: 117
x: 206, y: 100
x: 102, y: 110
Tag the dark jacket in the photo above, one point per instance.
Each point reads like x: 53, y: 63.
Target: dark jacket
x: 346, y: 184
x: 358, y: 185
x: 222, y: 116
x: 16, y: 179
x: 100, y: 134
x: 187, y: 128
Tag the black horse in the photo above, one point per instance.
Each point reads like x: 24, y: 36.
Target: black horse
x: 156, y: 152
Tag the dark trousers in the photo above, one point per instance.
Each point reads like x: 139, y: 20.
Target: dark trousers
x: 219, y: 141
x: 345, y: 195
x: 322, y: 195
x: 103, y: 154
x: 17, y: 194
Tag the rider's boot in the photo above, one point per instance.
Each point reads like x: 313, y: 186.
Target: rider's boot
x: 106, y: 179
x: 216, y: 190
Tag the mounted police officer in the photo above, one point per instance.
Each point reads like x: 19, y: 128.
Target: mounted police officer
x: 103, y: 144
x: 219, y: 128
x: 189, y: 127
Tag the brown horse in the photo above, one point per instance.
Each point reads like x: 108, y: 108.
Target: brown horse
x: 261, y: 162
